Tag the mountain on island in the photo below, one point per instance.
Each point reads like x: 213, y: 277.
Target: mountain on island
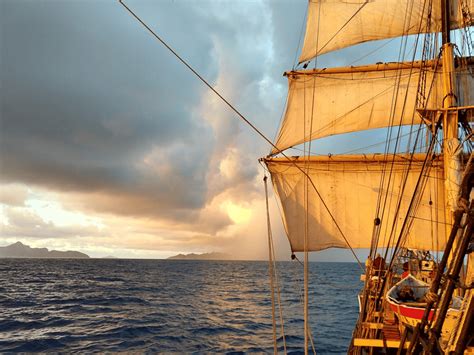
x: 20, y: 250
x: 203, y: 256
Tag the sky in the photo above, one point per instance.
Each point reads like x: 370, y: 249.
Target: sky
x: 110, y: 146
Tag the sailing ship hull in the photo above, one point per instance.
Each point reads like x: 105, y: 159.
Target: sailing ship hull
x: 416, y: 198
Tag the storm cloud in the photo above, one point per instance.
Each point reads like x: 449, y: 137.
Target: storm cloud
x: 96, y: 111
x: 83, y: 102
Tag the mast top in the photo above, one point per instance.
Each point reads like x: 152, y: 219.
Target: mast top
x: 445, y: 26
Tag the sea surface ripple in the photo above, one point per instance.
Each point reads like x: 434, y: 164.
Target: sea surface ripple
x: 147, y: 306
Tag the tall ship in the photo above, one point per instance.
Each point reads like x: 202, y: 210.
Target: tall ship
x: 410, y: 204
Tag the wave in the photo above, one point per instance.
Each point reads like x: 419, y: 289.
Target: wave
x: 156, y: 306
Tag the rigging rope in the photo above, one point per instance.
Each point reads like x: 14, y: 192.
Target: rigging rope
x: 342, y: 27
x: 270, y: 269
x: 413, y: 204
x: 430, y: 151
x: 195, y: 72
x: 295, y: 63
x: 300, y: 293
x: 382, y: 202
x: 307, y: 328
x: 273, y: 276
x: 241, y: 116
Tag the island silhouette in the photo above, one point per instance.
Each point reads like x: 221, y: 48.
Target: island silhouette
x: 203, y: 256
x: 20, y: 250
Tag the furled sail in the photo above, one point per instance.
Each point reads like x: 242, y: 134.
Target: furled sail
x: 349, y: 185
x: 325, y: 102
x: 337, y: 24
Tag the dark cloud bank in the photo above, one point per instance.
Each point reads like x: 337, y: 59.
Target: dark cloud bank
x: 92, y: 105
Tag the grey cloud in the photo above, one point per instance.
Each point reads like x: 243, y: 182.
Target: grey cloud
x: 93, y: 106
x: 289, y: 19
x: 86, y: 94
x: 23, y: 223
x: 13, y: 195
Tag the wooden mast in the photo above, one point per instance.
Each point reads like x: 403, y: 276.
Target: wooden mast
x: 452, y: 172
x: 452, y: 166
x: 451, y: 151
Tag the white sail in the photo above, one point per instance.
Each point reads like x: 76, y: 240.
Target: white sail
x: 332, y: 102
x: 349, y: 185
x: 465, y: 83
x: 326, y: 102
x: 336, y: 24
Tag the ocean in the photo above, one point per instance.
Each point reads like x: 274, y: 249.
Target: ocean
x: 111, y: 305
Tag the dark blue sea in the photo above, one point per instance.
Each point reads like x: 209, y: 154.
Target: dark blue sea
x: 112, y: 305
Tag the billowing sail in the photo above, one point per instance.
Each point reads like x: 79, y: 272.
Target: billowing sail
x: 325, y: 102
x: 350, y: 187
x: 336, y: 24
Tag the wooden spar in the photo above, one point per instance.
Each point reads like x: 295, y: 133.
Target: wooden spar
x: 466, y: 325
x: 445, y: 28
x: 372, y: 325
x: 382, y: 158
x: 454, y: 210
x: 451, y: 144
x: 443, y: 109
x: 419, y: 329
x: 452, y: 278
x: 378, y: 343
x: 377, y: 67
x: 466, y: 186
x: 450, y: 119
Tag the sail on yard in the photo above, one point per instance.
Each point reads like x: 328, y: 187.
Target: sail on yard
x: 333, y: 25
x: 399, y: 202
x: 349, y: 185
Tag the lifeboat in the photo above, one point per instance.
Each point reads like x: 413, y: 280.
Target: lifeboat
x: 407, y: 299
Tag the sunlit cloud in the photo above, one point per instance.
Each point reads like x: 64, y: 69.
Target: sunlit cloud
x: 238, y: 214
x: 110, y: 146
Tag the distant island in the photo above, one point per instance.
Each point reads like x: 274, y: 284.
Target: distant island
x: 203, y: 256
x: 20, y: 250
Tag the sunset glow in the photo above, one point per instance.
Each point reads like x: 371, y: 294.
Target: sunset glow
x: 239, y: 214
x: 109, y: 145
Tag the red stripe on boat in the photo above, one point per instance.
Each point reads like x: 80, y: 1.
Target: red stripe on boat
x: 411, y: 312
